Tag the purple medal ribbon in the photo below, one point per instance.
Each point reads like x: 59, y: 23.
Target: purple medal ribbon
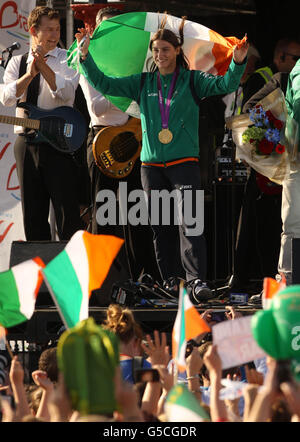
x: 165, y: 110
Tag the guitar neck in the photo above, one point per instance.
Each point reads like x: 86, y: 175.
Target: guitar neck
x: 16, y: 121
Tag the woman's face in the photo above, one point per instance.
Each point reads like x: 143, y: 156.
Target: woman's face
x: 164, y: 55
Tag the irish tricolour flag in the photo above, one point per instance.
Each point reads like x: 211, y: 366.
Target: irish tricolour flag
x: 188, y: 325
x: 120, y: 47
x: 78, y: 270
x: 182, y: 406
x: 19, y: 287
x: 270, y: 288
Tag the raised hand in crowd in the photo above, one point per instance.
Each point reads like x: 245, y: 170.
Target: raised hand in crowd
x: 207, y: 315
x: 253, y: 376
x: 8, y: 414
x: 194, y: 363
x: 158, y: 352
x: 249, y: 394
x: 59, y: 404
x: 157, y: 349
x: 213, y: 363
x: 261, y: 408
x: 167, y: 382
x: 16, y: 376
x: 291, y: 392
x: 41, y: 380
x: 232, y: 313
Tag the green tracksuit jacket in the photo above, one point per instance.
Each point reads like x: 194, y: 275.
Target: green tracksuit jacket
x: 292, y: 96
x: 184, y: 112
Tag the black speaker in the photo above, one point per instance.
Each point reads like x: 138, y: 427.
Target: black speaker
x: 296, y: 261
x: 46, y: 250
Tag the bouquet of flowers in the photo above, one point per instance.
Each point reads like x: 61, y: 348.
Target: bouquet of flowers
x: 260, y: 137
x: 264, y: 134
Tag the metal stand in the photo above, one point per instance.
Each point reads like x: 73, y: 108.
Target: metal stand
x: 232, y: 175
x: 229, y: 180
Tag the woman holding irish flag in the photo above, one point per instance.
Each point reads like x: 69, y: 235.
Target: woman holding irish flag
x: 168, y: 96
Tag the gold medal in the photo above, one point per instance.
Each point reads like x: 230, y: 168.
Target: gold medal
x: 165, y: 136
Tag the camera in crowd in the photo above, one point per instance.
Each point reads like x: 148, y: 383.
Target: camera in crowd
x: 190, y: 345
x: 218, y: 316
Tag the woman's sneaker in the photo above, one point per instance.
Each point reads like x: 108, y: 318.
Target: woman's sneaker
x: 199, y: 291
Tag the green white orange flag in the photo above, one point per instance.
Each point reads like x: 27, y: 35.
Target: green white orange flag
x: 188, y: 325
x: 182, y: 406
x: 270, y: 288
x: 19, y: 287
x: 78, y: 270
x: 2, y: 338
x: 120, y: 47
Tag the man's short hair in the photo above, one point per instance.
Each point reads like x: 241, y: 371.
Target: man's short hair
x: 283, y: 45
x: 48, y: 363
x: 109, y: 10
x: 35, y: 16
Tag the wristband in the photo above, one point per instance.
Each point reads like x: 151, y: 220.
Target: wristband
x: 82, y: 56
x: 195, y: 376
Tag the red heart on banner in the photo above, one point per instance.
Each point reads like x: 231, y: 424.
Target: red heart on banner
x: 9, y: 178
x: 5, y: 9
x: 3, y: 235
x: 4, y: 150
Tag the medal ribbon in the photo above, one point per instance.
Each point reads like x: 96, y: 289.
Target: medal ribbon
x: 165, y: 110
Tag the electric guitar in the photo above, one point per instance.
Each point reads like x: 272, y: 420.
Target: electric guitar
x: 116, y: 148
x: 64, y: 128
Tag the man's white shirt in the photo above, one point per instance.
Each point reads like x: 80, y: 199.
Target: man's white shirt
x: 102, y: 111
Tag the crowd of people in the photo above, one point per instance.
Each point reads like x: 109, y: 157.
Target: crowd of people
x: 107, y: 384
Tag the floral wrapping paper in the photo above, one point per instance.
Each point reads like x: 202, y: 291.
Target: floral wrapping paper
x: 274, y: 166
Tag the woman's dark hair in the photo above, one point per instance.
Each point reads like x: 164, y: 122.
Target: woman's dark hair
x: 170, y: 37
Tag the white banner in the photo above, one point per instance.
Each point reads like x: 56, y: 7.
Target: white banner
x: 13, y: 28
x: 236, y: 344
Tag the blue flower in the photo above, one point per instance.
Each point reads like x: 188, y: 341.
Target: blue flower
x: 258, y: 116
x: 273, y: 135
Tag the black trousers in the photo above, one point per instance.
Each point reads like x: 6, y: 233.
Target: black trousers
x: 138, y: 253
x: 175, y: 249
x: 46, y: 174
